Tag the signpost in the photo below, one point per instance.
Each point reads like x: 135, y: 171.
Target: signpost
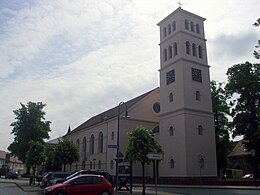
x: 155, y: 157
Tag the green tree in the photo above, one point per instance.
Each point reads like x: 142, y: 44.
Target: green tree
x: 35, y: 155
x: 222, y: 125
x: 244, y: 82
x: 65, y: 152
x: 257, y: 53
x: 29, y: 125
x: 140, y: 143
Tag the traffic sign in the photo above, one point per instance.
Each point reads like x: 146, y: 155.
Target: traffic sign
x: 112, y: 146
x: 155, y: 156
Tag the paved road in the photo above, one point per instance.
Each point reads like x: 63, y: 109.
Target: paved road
x: 199, y: 191
x: 11, y: 189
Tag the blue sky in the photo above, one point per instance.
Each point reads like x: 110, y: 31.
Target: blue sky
x: 83, y: 57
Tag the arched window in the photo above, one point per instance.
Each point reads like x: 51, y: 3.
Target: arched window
x: 173, y: 26
x: 111, y: 164
x: 170, y: 97
x: 175, y: 49
x: 200, y: 130
x: 165, y: 54
x: 99, y: 165
x: 91, y: 148
x: 84, y: 148
x: 200, y: 51
x: 90, y: 166
x: 186, y: 24
x: 172, y: 164
x: 171, y: 131
x: 194, y: 49
x: 170, y: 51
x: 192, y: 26
x: 188, y: 47
x: 77, y: 144
x: 112, y: 135
x: 197, y: 95
x: 100, y: 142
x: 169, y: 28
x: 197, y: 29
x: 164, y: 32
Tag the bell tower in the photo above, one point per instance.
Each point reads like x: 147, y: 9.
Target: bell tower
x: 186, y: 120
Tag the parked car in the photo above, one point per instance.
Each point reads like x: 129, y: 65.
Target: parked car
x: 82, y: 184
x: 52, y: 175
x: 94, y: 172
x: 11, y: 175
x: 248, y: 176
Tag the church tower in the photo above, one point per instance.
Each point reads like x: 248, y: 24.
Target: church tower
x: 186, y: 120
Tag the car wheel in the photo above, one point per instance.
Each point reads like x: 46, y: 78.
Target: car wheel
x: 105, y: 193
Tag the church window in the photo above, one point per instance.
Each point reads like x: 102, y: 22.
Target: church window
x: 99, y: 165
x: 170, y: 51
x: 171, y: 131
x: 197, y: 29
x: 175, y: 49
x: 197, y: 95
x: 100, y: 142
x: 188, y: 47
x: 77, y: 144
x: 165, y: 54
x: 170, y: 97
x: 169, y: 28
x: 186, y: 24
x: 172, y: 164
x: 112, y: 135
x: 196, y: 75
x: 156, y: 107
x: 200, y: 130
x: 200, y: 51
x: 91, y: 148
x: 173, y: 25
x: 170, y: 77
x: 194, y: 49
x: 192, y: 26
x: 164, y: 32
x: 84, y: 148
x: 111, y: 164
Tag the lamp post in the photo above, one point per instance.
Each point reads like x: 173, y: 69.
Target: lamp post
x: 117, y: 141
x: 254, y: 165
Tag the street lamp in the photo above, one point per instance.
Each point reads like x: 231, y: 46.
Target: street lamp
x: 253, y: 153
x: 117, y: 141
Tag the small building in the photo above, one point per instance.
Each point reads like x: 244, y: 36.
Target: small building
x: 13, y: 163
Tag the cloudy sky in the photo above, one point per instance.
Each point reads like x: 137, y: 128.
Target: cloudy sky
x: 85, y: 56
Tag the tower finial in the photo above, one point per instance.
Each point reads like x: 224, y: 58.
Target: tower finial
x: 179, y: 3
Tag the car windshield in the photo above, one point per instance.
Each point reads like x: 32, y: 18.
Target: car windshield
x: 68, y: 180
x: 72, y: 175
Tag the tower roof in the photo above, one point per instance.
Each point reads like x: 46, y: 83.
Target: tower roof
x: 180, y: 10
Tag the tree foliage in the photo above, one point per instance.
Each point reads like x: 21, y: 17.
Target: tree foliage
x: 244, y: 82
x: 222, y: 125
x: 65, y: 152
x: 29, y: 125
x: 257, y: 52
x: 35, y: 155
x: 140, y: 143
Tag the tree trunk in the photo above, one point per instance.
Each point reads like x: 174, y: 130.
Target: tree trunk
x: 143, y: 163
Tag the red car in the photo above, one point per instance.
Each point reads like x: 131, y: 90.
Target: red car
x: 82, y: 184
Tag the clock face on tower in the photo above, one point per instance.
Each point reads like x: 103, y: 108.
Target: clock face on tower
x: 196, y: 75
x: 170, y: 77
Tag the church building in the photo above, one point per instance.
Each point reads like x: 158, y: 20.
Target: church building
x: 179, y: 111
